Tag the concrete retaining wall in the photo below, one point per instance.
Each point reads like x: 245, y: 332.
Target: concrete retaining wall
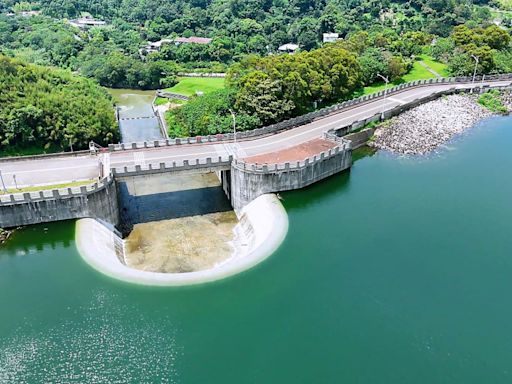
x: 97, y: 201
x: 201, y: 74
x: 248, y: 181
x: 358, y: 139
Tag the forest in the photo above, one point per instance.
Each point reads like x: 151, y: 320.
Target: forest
x: 44, y: 109
x: 377, y: 38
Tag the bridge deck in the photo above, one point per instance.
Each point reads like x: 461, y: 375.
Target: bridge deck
x: 63, y: 169
x: 296, y: 153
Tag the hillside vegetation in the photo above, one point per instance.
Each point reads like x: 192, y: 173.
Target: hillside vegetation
x: 401, y: 40
x: 49, y: 109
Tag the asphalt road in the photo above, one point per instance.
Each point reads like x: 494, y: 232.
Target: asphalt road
x: 74, y: 168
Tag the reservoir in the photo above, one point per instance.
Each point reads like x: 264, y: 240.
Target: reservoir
x: 399, y: 271
x: 137, y: 120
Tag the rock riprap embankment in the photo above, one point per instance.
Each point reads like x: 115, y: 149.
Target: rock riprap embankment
x: 423, y: 128
x: 506, y: 98
x: 4, y: 235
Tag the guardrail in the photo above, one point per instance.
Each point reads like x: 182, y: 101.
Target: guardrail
x: 60, y: 193
x: 175, y: 166
x: 201, y: 74
x: 312, y: 116
x: 278, y: 127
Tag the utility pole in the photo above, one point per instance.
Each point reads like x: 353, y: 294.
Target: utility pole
x: 234, y: 125
x: 235, y: 149
x: 3, y: 184
x: 385, y: 93
x: 474, y: 72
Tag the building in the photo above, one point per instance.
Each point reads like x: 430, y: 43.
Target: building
x: 290, y: 48
x: 87, y: 22
x: 330, y: 37
x: 192, y: 40
x: 24, y: 13
x: 155, y: 46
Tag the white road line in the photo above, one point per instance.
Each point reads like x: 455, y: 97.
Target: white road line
x: 220, y: 149
x: 397, y: 100
x: 271, y: 141
x: 286, y: 137
x: 139, y: 158
x: 49, y: 169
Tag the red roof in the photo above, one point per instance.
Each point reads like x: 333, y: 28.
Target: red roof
x: 193, y: 40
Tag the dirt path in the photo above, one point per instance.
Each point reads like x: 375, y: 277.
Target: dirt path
x: 436, y: 74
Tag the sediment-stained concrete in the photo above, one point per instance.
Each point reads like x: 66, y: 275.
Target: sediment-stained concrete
x: 262, y: 228
x: 180, y: 245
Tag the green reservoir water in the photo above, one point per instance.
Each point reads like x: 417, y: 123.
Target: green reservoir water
x: 397, y: 272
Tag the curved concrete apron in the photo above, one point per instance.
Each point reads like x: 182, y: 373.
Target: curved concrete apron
x: 261, y: 229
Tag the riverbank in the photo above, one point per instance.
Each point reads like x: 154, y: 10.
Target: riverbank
x: 4, y: 235
x: 424, y: 128
x: 262, y: 227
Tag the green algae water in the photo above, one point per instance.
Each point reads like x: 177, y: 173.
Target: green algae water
x: 397, y: 272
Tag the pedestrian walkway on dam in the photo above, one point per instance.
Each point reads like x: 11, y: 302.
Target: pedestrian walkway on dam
x: 349, y: 115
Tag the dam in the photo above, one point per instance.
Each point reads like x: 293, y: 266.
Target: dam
x: 147, y: 181
x: 401, y: 264
x: 281, y: 157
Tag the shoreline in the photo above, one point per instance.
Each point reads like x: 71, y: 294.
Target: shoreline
x: 5, y: 234
x: 423, y: 129
x: 262, y: 228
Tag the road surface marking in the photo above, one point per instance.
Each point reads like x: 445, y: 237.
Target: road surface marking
x: 139, y: 158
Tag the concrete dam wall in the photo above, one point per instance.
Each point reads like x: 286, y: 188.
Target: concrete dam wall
x: 249, y: 181
x: 161, y: 191
x: 98, y: 200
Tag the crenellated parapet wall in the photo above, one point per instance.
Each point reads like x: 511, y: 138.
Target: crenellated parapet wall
x: 358, y: 136
x: 98, y: 200
x: 251, y: 180
x: 307, y: 118
x: 189, y: 166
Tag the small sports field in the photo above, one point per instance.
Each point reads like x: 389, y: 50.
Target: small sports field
x: 188, y: 86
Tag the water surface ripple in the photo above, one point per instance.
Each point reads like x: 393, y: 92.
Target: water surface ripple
x: 397, y: 272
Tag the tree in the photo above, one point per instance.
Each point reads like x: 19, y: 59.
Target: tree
x: 51, y: 109
x: 262, y: 97
x: 496, y: 38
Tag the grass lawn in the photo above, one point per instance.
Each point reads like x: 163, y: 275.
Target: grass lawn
x: 440, y: 68
x: 164, y: 101
x: 505, y: 4
x: 161, y: 101
x: 47, y: 187
x: 418, y: 72
x: 27, y: 151
x: 188, y: 86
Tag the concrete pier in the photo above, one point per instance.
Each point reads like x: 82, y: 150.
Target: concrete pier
x: 249, y: 181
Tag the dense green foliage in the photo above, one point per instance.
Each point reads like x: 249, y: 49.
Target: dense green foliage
x: 395, y: 29
x: 490, y: 45
x: 273, y: 22
x: 276, y: 87
x: 380, y: 39
x: 492, y: 101
x: 51, y: 109
x: 208, y: 115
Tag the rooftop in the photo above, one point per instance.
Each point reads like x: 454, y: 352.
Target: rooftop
x: 193, y: 40
x: 288, y: 47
